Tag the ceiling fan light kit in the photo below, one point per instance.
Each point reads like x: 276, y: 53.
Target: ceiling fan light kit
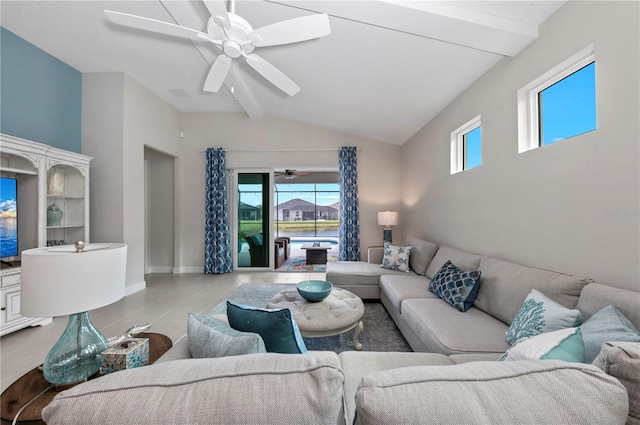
x: 235, y: 37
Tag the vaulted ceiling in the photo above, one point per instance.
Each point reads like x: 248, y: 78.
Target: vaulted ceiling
x: 386, y: 69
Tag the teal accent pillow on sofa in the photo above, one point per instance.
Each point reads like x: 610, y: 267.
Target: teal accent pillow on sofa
x: 564, y: 344
x: 540, y: 314
x: 277, y: 327
x: 456, y: 287
x: 606, y: 325
x: 210, y: 338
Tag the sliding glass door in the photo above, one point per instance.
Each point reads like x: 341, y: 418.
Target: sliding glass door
x: 254, y: 248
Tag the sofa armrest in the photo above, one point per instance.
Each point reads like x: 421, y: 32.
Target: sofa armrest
x: 375, y: 254
x: 622, y: 361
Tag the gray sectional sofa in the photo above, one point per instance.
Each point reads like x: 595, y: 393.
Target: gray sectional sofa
x: 431, y: 325
x: 452, y: 377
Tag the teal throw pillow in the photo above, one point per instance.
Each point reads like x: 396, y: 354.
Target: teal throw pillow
x: 457, y: 287
x: 396, y: 257
x: 564, y: 344
x: 277, y: 327
x: 540, y: 314
x: 606, y: 325
x: 210, y: 338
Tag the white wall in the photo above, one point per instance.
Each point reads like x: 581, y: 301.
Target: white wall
x: 102, y: 129
x: 119, y: 118
x: 160, y: 211
x: 571, y: 206
x: 378, y: 168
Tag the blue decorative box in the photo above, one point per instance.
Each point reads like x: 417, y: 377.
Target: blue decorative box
x: 133, y: 352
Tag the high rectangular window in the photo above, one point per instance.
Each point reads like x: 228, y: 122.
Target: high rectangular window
x: 466, y: 146
x: 472, y: 145
x: 559, y: 104
x: 568, y: 107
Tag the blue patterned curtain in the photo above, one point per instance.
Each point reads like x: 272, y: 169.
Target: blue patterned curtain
x: 217, y: 243
x: 349, y: 211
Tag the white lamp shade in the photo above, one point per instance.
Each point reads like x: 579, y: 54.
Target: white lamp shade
x: 57, y: 281
x: 388, y: 218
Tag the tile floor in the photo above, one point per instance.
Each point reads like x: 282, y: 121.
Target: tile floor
x: 164, y: 303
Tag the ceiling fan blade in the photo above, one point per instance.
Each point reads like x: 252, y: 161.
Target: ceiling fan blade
x: 218, y: 12
x: 291, y: 31
x: 217, y: 73
x: 153, y: 25
x: 273, y: 74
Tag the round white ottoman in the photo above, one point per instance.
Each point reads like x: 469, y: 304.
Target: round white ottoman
x: 340, y: 312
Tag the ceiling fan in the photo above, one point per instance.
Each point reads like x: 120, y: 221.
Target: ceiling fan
x: 292, y: 174
x: 235, y: 37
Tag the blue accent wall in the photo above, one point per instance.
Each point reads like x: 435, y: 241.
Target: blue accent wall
x: 40, y: 96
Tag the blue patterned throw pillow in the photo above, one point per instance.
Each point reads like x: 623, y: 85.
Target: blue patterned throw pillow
x: 396, y: 257
x: 456, y: 287
x: 540, y: 314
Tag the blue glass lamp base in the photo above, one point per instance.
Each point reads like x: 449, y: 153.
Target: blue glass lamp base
x: 76, y: 355
x: 387, y: 235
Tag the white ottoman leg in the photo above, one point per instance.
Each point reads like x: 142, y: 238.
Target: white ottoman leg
x: 356, y: 333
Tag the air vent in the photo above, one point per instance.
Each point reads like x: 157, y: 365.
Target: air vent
x: 179, y: 93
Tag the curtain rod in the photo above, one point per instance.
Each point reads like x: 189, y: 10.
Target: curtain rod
x: 283, y: 150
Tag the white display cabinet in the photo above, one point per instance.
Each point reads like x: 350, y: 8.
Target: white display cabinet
x: 30, y: 163
x: 72, y: 199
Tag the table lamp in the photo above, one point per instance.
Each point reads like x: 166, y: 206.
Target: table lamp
x: 62, y: 280
x: 387, y: 219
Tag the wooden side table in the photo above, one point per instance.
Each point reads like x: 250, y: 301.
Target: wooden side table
x: 33, y: 383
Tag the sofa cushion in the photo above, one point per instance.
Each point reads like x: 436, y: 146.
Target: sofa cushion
x: 455, y: 286
x: 540, y: 314
x: 491, y: 393
x: 595, y: 296
x: 207, y: 391
x: 278, y: 328
x: 505, y: 286
x: 209, y: 337
x: 564, y: 344
x: 357, y: 364
x: 361, y: 278
x: 421, y: 254
x: 463, y: 260
x: 606, y: 325
x: 396, y: 257
x: 448, y: 331
x: 400, y: 288
x: 622, y: 361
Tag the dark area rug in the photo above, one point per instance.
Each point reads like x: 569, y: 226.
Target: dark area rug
x: 380, y: 332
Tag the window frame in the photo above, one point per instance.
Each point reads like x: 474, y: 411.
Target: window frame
x: 528, y: 97
x: 458, y: 144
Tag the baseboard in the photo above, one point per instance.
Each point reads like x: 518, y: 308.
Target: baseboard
x: 132, y: 289
x: 188, y: 269
x: 160, y: 269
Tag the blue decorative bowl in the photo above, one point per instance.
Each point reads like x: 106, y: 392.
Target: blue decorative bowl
x: 314, y: 290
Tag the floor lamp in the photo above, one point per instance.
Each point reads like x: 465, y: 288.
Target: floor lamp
x: 68, y: 280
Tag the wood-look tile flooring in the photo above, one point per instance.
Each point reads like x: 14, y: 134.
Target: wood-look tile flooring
x: 165, y: 303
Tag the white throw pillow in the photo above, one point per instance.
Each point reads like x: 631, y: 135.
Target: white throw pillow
x: 396, y: 257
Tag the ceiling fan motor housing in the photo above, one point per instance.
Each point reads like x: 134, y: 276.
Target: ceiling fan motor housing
x: 232, y: 38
